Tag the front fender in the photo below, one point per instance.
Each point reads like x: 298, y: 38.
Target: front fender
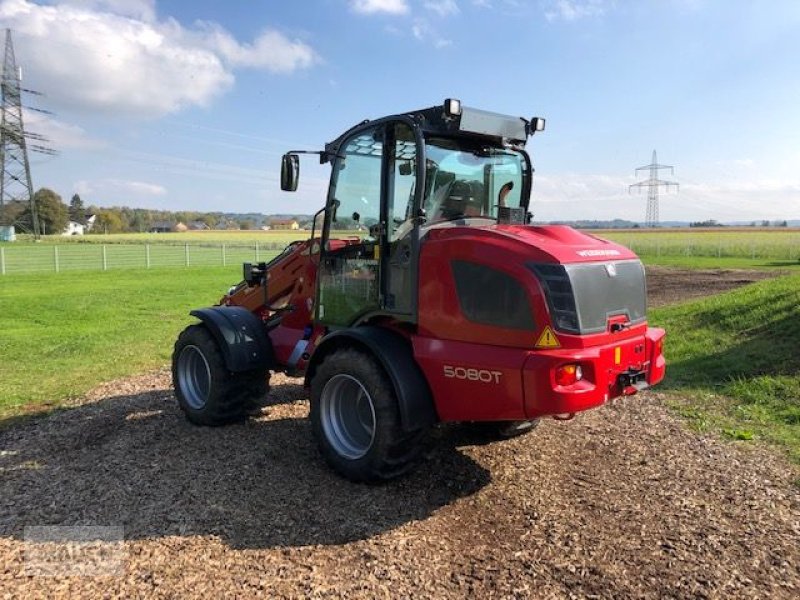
x: 241, y: 336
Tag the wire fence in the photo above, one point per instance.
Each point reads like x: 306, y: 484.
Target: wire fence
x: 34, y: 258
x: 104, y: 257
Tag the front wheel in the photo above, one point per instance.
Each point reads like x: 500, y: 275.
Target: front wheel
x: 356, y: 419
x: 207, y: 392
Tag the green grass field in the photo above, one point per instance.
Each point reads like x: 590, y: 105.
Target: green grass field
x: 748, y: 243
x: 733, y: 360
x: 63, y: 334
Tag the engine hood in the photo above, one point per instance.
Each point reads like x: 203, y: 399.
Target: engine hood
x: 547, y: 243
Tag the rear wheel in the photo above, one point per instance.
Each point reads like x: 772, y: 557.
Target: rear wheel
x: 207, y: 392
x: 356, y: 419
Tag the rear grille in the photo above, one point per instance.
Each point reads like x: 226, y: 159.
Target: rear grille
x: 583, y: 296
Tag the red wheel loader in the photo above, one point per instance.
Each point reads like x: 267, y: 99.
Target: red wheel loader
x: 424, y: 295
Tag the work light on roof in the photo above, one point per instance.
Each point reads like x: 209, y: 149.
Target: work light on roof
x: 452, y: 107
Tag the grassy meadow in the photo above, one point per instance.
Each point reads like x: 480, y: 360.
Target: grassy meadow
x: 64, y: 334
x: 733, y: 361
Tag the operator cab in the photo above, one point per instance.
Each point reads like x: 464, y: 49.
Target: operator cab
x: 392, y: 181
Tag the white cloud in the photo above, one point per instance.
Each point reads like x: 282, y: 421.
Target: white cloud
x: 424, y: 32
x: 443, y: 8
x: 128, y: 62
x: 144, y: 10
x: 61, y: 135
x: 119, y: 187
x: 571, y: 196
x: 572, y: 10
x: 368, y: 7
x: 271, y: 50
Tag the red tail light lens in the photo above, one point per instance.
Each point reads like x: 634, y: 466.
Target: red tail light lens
x: 568, y: 374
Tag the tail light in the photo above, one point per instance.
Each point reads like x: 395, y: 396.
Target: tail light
x: 568, y: 374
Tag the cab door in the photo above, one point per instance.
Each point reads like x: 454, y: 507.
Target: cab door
x: 368, y: 258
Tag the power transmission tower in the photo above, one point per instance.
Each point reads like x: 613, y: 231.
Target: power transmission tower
x: 15, y: 182
x: 653, y: 184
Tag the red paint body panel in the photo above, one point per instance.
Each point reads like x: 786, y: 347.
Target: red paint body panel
x: 525, y: 387
x: 506, y: 248
x: 480, y: 372
x: 498, y: 397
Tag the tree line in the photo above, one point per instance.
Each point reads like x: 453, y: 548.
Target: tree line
x: 54, y: 216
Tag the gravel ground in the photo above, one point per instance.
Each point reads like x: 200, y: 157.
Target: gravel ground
x: 624, y: 501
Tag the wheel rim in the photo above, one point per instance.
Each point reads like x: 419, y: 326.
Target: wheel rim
x: 348, y: 416
x: 194, y: 376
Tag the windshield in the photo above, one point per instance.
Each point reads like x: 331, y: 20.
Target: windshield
x: 466, y: 180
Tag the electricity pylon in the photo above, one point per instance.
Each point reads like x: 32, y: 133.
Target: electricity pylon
x: 653, y: 184
x: 15, y: 179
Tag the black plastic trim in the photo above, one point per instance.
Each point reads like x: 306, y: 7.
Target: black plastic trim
x: 394, y: 352
x: 241, y: 336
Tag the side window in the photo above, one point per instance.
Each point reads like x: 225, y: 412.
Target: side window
x: 402, y: 198
x: 357, y: 187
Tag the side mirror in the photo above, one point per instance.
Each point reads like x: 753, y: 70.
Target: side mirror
x: 537, y: 124
x: 290, y: 172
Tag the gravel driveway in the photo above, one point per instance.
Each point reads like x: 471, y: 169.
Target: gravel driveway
x: 623, y: 501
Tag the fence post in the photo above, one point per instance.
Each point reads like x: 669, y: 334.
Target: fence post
x: 55, y: 258
x: 719, y: 248
x: 658, y: 247
x: 105, y: 259
x: 224, y: 261
x: 257, y: 257
x: 2, y: 261
x: 186, y: 252
x: 752, y: 250
x: 147, y: 256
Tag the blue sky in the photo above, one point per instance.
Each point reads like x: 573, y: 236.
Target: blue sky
x: 189, y: 105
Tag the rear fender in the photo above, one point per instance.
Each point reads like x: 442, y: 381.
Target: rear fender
x: 241, y: 337
x: 396, y: 356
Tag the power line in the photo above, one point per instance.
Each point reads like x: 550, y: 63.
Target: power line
x: 15, y: 180
x: 653, y: 184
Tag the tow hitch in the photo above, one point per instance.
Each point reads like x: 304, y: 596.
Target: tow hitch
x: 632, y: 380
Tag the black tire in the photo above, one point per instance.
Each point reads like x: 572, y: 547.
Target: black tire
x: 348, y: 388
x: 207, y: 392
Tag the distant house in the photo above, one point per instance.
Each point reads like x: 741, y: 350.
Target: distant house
x: 7, y: 233
x: 90, y: 219
x: 161, y: 227
x: 283, y: 224
x: 198, y: 226
x: 180, y: 227
x: 74, y: 228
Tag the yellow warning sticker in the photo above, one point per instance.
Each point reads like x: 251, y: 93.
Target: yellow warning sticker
x: 617, y: 355
x: 548, y: 339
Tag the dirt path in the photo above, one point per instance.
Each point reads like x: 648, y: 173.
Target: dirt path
x: 623, y: 501
x: 666, y: 285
